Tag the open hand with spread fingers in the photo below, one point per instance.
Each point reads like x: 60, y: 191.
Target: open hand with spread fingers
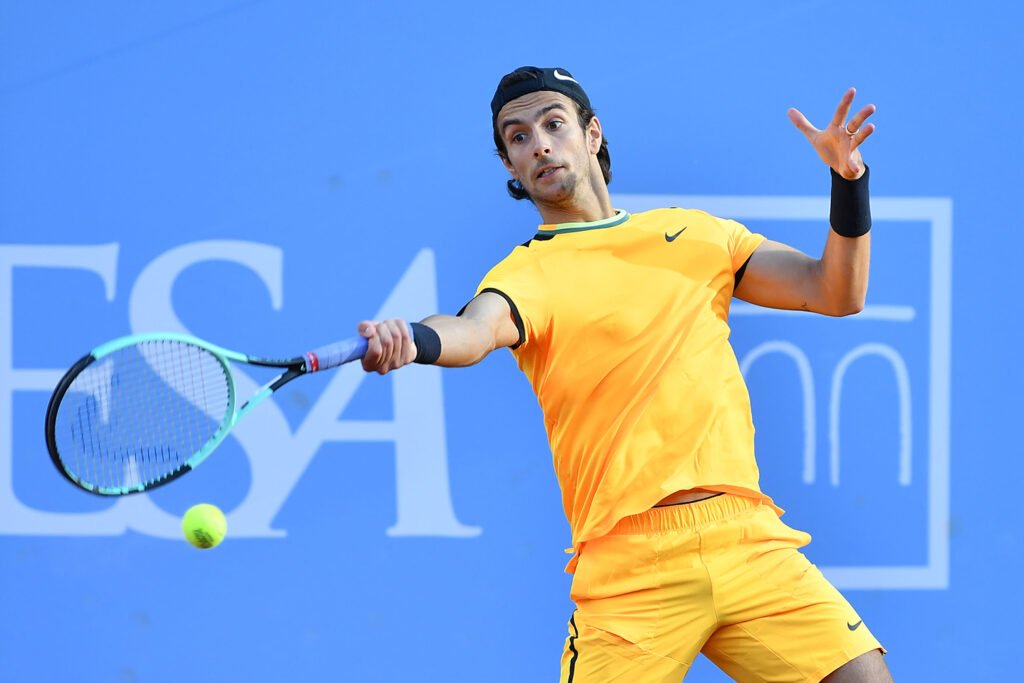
x: 837, y: 144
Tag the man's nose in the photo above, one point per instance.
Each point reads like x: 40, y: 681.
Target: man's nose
x: 542, y: 147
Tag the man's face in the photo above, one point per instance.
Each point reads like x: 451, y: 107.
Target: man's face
x: 547, y: 150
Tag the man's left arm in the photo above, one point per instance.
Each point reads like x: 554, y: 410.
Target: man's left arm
x: 778, y: 276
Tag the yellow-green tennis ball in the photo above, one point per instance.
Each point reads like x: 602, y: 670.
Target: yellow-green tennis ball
x: 204, y: 525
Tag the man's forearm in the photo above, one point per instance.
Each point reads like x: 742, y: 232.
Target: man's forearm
x: 464, y: 341
x: 844, y: 269
x: 847, y: 255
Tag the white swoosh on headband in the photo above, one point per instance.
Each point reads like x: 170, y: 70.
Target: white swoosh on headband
x: 563, y: 77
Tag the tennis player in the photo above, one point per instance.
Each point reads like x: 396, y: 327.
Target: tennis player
x: 619, y: 321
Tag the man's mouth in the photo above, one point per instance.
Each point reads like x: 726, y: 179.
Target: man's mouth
x: 547, y: 170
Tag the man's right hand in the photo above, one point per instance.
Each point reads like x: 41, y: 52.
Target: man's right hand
x: 389, y: 345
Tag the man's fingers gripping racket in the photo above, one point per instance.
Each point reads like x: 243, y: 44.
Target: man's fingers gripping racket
x: 392, y: 344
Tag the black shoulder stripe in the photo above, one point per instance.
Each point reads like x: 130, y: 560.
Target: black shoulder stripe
x: 518, y: 319
x: 739, y: 273
x: 537, y: 238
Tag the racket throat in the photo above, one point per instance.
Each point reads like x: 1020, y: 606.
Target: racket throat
x: 254, y: 401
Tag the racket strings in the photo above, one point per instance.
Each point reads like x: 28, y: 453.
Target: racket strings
x: 138, y: 415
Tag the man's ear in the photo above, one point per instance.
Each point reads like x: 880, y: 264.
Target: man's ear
x: 594, y: 135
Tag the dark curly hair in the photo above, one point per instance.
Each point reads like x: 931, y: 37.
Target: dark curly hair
x: 583, y: 115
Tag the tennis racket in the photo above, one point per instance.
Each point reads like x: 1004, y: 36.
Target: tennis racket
x: 140, y: 411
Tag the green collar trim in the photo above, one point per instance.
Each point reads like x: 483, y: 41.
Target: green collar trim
x: 619, y: 218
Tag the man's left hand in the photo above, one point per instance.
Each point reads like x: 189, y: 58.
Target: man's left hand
x: 837, y: 144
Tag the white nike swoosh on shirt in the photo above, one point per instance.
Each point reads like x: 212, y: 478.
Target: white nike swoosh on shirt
x: 563, y: 77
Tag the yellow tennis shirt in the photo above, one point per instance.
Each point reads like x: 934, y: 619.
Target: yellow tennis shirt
x: 624, y: 337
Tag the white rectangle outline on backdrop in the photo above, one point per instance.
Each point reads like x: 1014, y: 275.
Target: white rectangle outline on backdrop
x: 938, y: 213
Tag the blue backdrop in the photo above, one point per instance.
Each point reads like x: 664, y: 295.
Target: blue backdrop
x: 265, y: 174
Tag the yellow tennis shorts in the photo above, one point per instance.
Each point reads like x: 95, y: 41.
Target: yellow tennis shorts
x: 721, y: 576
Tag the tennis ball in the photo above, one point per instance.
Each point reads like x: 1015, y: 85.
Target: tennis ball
x: 204, y: 525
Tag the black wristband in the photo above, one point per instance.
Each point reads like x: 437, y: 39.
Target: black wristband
x: 428, y: 344
x: 850, y: 215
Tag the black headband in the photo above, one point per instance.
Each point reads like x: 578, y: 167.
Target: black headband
x: 534, y: 80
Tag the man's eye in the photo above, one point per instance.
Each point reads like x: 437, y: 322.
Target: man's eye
x: 518, y: 137
x: 554, y: 124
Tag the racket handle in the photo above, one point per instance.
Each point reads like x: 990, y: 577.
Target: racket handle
x: 338, y: 353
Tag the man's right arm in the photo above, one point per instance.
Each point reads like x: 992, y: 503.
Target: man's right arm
x: 485, y: 324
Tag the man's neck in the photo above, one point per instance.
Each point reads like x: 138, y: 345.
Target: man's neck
x: 594, y: 208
